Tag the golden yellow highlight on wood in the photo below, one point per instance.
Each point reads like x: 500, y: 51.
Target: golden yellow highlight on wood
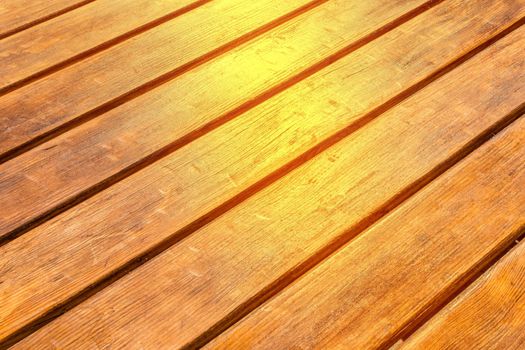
x: 236, y: 174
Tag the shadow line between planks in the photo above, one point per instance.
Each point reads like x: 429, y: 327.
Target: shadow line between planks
x: 102, y: 47
x: 208, y: 127
x: 281, y: 283
x: 155, y: 82
x: 338, y: 243
x: 43, y: 19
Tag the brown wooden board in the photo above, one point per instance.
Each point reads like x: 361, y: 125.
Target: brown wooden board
x: 17, y: 15
x: 363, y: 296
x: 491, y: 313
x: 228, y: 265
x: 76, y: 34
x: 109, y: 78
x: 59, y: 171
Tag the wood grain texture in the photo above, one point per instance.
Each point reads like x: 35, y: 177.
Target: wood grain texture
x: 75, y: 33
x: 16, y: 15
x: 38, y: 108
x: 489, y: 315
x: 196, y: 283
x: 106, y: 146
x: 198, y: 175
x: 362, y: 296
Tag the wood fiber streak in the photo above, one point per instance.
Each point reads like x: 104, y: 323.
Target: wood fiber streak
x: 368, y: 291
x: 17, y: 15
x: 34, y: 110
x: 137, y: 214
x: 78, y: 32
x: 205, y: 278
x: 489, y: 315
x: 108, y: 145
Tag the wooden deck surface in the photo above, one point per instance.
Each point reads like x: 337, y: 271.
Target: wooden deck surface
x: 234, y: 174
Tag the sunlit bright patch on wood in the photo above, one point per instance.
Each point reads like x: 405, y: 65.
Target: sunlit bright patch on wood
x: 233, y: 174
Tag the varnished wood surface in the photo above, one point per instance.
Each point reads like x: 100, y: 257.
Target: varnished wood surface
x: 132, y: 132
x: 16, y: 15
x: 401, y: 267
x: 239, y: 174
x: 488, y: 315
x: 155, y: 196
x: 93, y: 26
x: 35, y: 110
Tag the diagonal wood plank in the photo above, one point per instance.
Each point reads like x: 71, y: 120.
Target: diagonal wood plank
x: 365, y: 294
x: 108, y: 78
x: 100, y: 150
x: 73, y: 35
x: 206, y: 279
x: 489, y: 315
x: 16, y: 15
x: 52, y: 240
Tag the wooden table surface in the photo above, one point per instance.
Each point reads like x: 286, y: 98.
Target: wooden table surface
x: 235, y: 174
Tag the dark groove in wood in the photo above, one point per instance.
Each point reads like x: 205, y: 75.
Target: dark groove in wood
x: 154, y: 83
x: 179, y: 235
x: 212, y: 125
x: 464, y: 281
x: 43, y: 19
x: 102, y: 47
x: 281, y: 283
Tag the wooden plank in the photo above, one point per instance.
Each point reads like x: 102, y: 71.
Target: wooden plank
x: 211, y: 273
x: 16, y: 15
x: 78, y: 33
x: 107, y: 78
x: 110, y: 144
x: 365, y: 294
x: 489, y: 315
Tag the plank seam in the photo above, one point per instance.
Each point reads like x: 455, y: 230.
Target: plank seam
x: 43, y: 19
x: 339, y: 242
x: 304, y: 267
x: 100, y: 48
x: 448, y: 295
x: 179, y: 235
x: 214, y: 124
x: 155, y: 82
x: 342, y: 240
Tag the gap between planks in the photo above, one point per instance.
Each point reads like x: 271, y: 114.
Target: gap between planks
x: 43, y: 19
x: 114, y: 102
x: 474, y: 144
x: 55, y: 67
x: 470, y: 279
x: 244, y: 107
